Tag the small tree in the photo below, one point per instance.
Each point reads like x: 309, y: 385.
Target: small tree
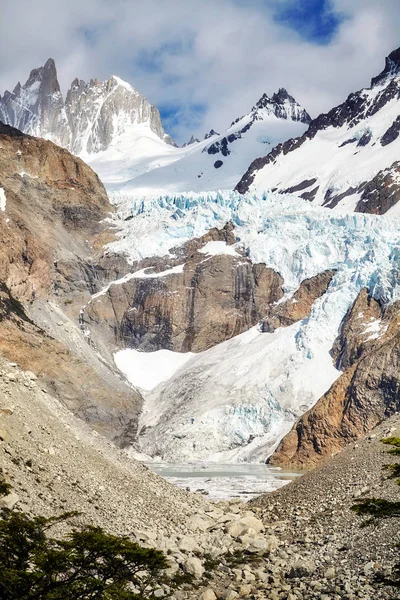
x: 86, y: 564
x: 378, y: 508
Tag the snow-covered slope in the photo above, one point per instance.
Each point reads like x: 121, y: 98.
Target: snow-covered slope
x: 216, y: 162
x: 96, y: 117
x: 236, y: 400
x: 348, y: 157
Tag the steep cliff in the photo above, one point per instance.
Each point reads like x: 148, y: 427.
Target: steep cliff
x: 52, y: 213
x: 368, y: 351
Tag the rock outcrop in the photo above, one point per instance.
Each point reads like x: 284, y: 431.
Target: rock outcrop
x: 299, y: 306
x: 51, y: 212
x: 188, y: 304
x: 368, y: 351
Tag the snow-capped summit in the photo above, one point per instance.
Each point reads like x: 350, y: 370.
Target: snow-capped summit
x: 215, y: 162
x: 283, y: 106
x: 348, y: 157
x: 99, y: 113
x: 93, y: 118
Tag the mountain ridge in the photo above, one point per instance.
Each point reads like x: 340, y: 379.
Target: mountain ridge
x: 90, y: 119
x: 338, y: 161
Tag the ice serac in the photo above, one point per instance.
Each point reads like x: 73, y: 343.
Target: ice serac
x: 348, y: 157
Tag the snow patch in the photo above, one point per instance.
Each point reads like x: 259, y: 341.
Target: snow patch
x: 3, y: 200
x: 214, y: 248
x: 141, y: 274
x: 147, y: 370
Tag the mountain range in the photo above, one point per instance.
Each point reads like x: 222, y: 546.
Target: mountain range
x: 189, y: 272
x: 147, y: 314
x: 119, y: 133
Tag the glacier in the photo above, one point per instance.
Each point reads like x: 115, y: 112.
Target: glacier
x: 235, y: 401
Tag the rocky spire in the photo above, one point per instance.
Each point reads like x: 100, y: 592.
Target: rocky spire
x: 37, y: 107
x: 392, y: 68
x: 283, y: 106
x: 93, y: 115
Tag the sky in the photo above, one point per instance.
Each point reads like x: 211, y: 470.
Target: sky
x: 204, y: 62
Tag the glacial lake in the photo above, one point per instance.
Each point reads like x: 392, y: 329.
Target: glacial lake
x: 225, y: 481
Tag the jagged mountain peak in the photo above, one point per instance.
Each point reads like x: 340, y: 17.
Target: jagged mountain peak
x: 358, y: 168
x: 192, y: 140
x: 282, y: 96
x: 282, y: 105
x: 392, y: 68
x: 46, y: 75
x: 211, y: 133
x: 92, y: 117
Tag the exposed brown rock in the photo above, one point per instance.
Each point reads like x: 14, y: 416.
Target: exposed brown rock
x: 366, y: 393
x: 54, y: 203
x: 352, y: 341
x: 213, y: 299
x: 54, y: 207
x: 299, y: 306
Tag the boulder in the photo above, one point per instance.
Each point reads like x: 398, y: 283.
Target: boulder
x: 9, y: 501
x: 187, y: 544
x: 198, y: 523
x: 208, y: 594
x: 194, y: 567
x: 244, y: 526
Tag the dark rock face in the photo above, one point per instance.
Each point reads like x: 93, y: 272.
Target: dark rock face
x: 218, y: 164
x: 208, y: 301
x: 392, y: 133
x: 303, y: 185
x: 392, y: 67
x: 299, y: 306
x: 210, y: 134
x: 381, y: 193
x: 332, y: 198
x: 367, y: 392
x: 355, y: 109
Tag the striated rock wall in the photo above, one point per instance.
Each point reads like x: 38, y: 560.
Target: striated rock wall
x: 207, y: 299
x: 299, y: 306
x: 368, y: 391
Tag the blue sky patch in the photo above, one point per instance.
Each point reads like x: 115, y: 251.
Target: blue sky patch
x: 314, y: 20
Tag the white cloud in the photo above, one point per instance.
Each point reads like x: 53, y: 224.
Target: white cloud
x: 221, y: 55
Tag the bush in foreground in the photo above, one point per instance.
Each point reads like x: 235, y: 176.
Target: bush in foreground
x: 87, y: 563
